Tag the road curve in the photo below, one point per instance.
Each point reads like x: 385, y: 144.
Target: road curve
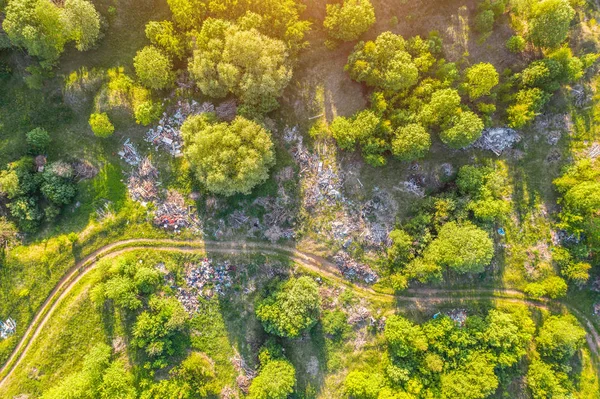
x: 310, y: 262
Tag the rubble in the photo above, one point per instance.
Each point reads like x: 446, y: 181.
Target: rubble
x: 130, y: 154
x: 7, y: 328
x: 497, y: 139
x: 143, y: 184
x: 580, y: 97
x: 597, y: 309
x: 353, y: 270
x: 173, y: 214
x: 167, y: 134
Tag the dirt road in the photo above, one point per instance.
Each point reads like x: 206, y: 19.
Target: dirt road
x: 313, y: 263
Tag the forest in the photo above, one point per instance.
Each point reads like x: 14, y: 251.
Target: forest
x: 271, y: 199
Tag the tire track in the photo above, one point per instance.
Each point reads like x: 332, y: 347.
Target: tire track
x: 424, y: 297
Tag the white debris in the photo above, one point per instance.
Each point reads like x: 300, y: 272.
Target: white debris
x: 497, y: 139
x: 7, y: 328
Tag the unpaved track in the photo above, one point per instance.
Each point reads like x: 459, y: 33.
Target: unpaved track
x: 421, y: 297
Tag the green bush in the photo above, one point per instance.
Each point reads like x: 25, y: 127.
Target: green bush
x: 38, y: 140
x: 153, y: 68
x: 516, y: 44
x: 350, y: 20
x: 101, y: 125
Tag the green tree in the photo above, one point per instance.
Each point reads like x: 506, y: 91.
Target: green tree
x: 484, y: 21
x: 82, y: 23
x: 464, y: 248
x: 157, y: 329
x: 404, y: 338
x: 401, y: 249
x: 529, y: 103
x: 480, y: 79
x: 276, y: 380
x: 384, y: 63
x: 37, y: 26
x: 516, y: 44
x: 335, y: 323
x: 361, y: 385
x: 560, y: 337
x: 549, y: 22
x: 411, y: 142
x: 349, y: 20
x: 466, y: 128
x: 147, y: 112
x: 56, y: 187
x: 543, y: 382
x: 153, y: 68
x: 198, y: 371
x: 27, y: 212
x: 101, y: 125
x: 38, y: 140
x: 293, y: 308
x: 163, y: 35
x: 252, y: 66
x: 508, y: 333
x: 228, y: 158
x: 443, y: 107
x: 474, y: 380
x: 117, y: 383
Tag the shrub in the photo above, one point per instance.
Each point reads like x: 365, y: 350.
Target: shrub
x: 516, y: 44
x: 38, y: 140
x: 411, y: 142
x: 101, y: 125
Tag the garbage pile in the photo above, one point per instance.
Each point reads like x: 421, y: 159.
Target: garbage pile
x: 353, y: 270
x: 205, y: 280
x: 167, y: 134
x: 323, y: 183
x: 173, y: 214
x: 130, y: 154
x: 497, y: 139
x: 143, y: 184
x: 459, y: 316
x: 7, y: 328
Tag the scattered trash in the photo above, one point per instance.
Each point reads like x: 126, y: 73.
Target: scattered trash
x: 501, y: 231
x: 167, y: 134
x: 353, y: 270
x: 204, y: 280
x: 7, y: 328
x: 40, y: 163
x: 143, y: 184
x: 597, y: 309
x: 459, y: 316
x: 130, y: 154
x: 497, y: 139
x: 173, y: 214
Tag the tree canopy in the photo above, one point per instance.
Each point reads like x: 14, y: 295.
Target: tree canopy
x: 228, y: 158
x: 275, y: 380
x: 153, y: 68
x: 463, y: 248
x: 229, y: 58
x: 549, y: 22
x: 349, y: 20
x: 293, y: 308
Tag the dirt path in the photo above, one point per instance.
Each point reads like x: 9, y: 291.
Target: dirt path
x: 424, y: 297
